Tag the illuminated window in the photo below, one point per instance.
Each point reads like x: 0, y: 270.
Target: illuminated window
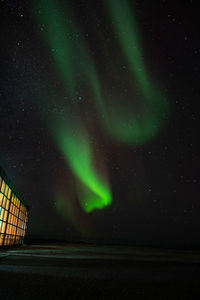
x: 7, y: 204
x: 9, y: 193
x: 5, y: 215
x: 3, y: 186
x: 1, y: 199
x: 6, y: 190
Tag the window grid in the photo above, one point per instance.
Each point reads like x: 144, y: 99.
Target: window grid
x: 13, y: 217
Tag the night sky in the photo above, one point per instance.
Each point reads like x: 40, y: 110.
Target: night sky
x: 98, y: 118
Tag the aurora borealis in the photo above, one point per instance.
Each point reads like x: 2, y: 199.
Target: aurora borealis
x: 76, y: 147
x: 78, y: 153
x: 140, y: 123
x: 95, y: 114
x: 123, y: 125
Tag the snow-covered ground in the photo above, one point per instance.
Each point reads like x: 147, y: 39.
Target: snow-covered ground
x: 98, y: 272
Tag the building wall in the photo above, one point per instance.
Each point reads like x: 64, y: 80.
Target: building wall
x: 13, y: 216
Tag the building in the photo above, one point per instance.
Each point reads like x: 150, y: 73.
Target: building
x: 13, y: 213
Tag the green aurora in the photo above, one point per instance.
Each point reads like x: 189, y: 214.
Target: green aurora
x: 75, y: 147
x: 120, y: 118
x: 77, y: 150
x: 130, y: 123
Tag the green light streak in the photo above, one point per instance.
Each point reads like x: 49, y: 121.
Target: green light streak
x: 75, y: 67
x: 77, y: 151
x: 126, y: 29
x: 57, y: 31
x: 125, y: 124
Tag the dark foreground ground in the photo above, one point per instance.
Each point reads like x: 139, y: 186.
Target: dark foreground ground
x: 98, y: 272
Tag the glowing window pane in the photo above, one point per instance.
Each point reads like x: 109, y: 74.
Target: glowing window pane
x: 11, y: 221
x: 9, y: 193
x: 4, y: 202
x: 1, y: 199
x: 17, y: 211
x: 9, y: 217
x: 1, y: 213
x: 5, y: 216
x: 3, y: 227
x: 7, y: 204
x: 6, y: 190
x: 3, y: 186
x: 8, y: 229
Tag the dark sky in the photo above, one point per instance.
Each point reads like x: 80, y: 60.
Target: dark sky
x: 153, y: 181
